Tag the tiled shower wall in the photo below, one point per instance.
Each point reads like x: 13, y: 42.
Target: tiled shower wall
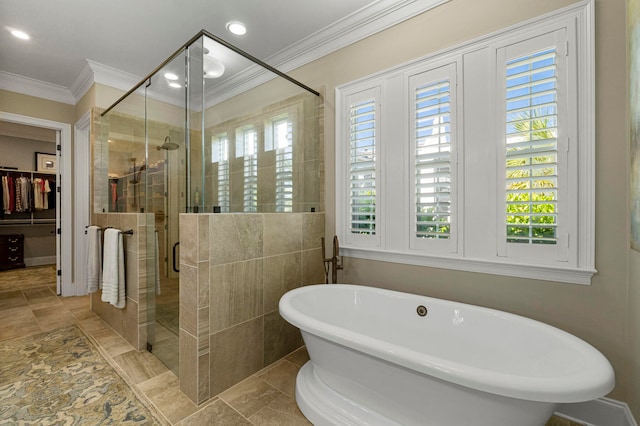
x: 233, y: 270
x: 131, y: 321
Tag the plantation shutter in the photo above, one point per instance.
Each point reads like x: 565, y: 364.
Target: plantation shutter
x: 363, y: 125
x: 534, y: 220
x: 532, y: 148
x: 220, y: 155
x: 432, y: 168
x: 283, y: 137
x: 432, y: 109
x: 247, y: 147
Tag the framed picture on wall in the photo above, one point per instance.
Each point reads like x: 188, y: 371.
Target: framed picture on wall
x: 46, y: 162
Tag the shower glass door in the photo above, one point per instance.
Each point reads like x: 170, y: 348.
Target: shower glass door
x: 165, y: 199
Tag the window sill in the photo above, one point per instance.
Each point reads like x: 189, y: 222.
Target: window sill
x: 537, y: 272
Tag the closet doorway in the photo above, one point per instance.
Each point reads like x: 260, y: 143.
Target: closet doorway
x: 34, y: 149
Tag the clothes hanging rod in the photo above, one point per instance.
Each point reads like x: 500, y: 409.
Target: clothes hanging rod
x: 225, y: 44
x: 35, y: 172
x: 127, y: 232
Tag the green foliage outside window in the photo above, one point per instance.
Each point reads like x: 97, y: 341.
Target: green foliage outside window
x: 531, y: 207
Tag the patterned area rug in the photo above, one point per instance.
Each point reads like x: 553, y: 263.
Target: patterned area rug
x: 60, y: 378
x: 34, y: 276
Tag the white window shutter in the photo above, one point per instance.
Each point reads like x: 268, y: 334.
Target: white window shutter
x: 433, y: 168
x: 220, y: 155
x: 533, y: 97
x: 532, y: 149
x: 283, y: 144
x: 362, y: 114
x: 362, y: 162
x: 247, y: 147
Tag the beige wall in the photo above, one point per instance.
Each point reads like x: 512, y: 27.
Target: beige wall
x: 105, y: 96
x: 31, y: 106
x: 633, y: 393
x: 596, y: 313
x: 86, y: 103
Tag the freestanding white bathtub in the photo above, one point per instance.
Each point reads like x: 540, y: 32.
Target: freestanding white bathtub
x: 376, y: 361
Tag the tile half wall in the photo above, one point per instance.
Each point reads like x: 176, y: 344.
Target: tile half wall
x: 233, y: 270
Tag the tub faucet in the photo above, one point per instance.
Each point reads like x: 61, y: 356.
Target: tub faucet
x: 333, y: 262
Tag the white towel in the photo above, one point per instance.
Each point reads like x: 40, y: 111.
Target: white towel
x: 94, y: 259
x: 113, y: 277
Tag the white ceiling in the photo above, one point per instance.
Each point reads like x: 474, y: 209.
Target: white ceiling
x: 135, y: 36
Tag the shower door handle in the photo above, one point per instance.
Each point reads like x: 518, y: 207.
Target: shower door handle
x: 175, y: 246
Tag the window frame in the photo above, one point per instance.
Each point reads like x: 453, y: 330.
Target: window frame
x: 479, y: 248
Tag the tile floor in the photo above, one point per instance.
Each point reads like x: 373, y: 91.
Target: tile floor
x: 266, y: 398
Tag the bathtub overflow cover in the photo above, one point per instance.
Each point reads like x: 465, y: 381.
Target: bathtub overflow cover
x: 422, y: 311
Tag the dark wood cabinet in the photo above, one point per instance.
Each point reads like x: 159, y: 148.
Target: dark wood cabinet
x: 11, y: 251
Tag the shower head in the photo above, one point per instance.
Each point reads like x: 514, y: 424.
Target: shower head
x: 168, y: 145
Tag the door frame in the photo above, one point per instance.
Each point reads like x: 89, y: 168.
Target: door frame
x: 64, y: 219
x: 82, y: 199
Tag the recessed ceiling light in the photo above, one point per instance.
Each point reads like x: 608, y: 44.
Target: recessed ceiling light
x: 236, y: 28
x: 20, y: 34
x: 170, y: 76
x: 175, y: 85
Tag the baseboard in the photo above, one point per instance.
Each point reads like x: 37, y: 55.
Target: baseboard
x: 599, y: 412
x: 37, y: 261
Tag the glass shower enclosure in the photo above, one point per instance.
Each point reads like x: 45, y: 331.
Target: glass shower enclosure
x: 210, y: 130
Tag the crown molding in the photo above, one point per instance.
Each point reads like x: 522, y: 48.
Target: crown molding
x: 82, y: 83
x: 32, y: 87
x: 352, y: 28
x: 95, y: 72
x: 348, y: 30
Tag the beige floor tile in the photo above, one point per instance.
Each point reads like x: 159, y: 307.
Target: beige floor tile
x: 162, y: 333
x: 164, y: 392
x: 76, y: 302
x: 38, y: 293
x: 282, y: 412
x: 168, y: 351
x: 111, y: 342
x: 17, y: 322
x: 44, y: 302
x: 140, y: 366
x: 93, y: 324
x: 250, y: 396
x: 282, y: 377
x: 83, y: 313
x: 12, y: 299
x: 299, y: 357
x: 215, y: 413
x: 41, y: 297
x: 52, y: 317
x: 35, y: 276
